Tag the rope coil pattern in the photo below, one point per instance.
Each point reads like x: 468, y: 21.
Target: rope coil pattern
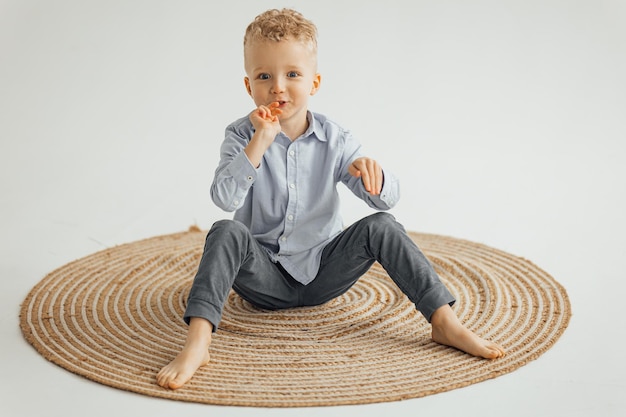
x: 115, y: 317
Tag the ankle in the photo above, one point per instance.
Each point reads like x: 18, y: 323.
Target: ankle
x: 199, y: 333
x: 443, y: 317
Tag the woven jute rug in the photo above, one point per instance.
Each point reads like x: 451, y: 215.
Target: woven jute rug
x: 115, y: 317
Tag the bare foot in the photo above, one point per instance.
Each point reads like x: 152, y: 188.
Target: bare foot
x: 194, y: 354
x: 448, y: 330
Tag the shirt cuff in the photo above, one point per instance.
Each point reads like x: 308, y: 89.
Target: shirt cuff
x: 242, y: 171
x: 390, y: 193
x: 244, y: 175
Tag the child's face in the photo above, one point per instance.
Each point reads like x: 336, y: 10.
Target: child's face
x: 285, y: 72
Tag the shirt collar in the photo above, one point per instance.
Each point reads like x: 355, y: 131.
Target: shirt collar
x: 315, y: 128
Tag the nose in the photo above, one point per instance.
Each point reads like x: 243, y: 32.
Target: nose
x: 277, y: 86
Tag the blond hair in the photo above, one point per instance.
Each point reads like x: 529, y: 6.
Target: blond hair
x: 276, y: 25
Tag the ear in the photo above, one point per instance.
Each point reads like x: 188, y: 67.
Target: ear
x: 317, y: 80
x: 246, y: 81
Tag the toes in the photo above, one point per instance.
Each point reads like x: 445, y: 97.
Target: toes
x: 176, y: 383
x: 495, y: 351
x: 498, y: 349
x: 170, y: 379
x: 162, y: 380
x: 164, y: 377
x: 493, y: 354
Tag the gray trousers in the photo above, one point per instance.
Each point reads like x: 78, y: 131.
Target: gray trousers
x: 232, y: 258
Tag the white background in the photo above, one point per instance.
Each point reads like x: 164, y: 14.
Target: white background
x: 505, y: 121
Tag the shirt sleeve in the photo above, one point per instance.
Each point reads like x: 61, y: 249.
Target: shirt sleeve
x: 390, y: 193
x: 234, y: 174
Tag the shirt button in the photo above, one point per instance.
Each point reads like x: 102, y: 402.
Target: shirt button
x: 249, y: 178
x: 235, y: 202
x: 292, y: 186
x: 290, y: 217
x: 283, y: 239
x: 291, y: 153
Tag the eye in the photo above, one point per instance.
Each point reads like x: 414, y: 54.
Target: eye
x: 264, y: 77
x: 292, y: 74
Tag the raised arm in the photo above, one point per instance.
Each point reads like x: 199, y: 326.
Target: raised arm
x: 240, y: 157
x: 266, y: 125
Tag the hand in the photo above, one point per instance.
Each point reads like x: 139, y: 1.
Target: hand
x: 265, y: 118
x: 370, y: 172
x: 266, y: 125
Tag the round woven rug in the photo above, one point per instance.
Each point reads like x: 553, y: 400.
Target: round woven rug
x: 115, y: 317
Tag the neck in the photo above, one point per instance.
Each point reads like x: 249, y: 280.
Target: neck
x: 294, y: 130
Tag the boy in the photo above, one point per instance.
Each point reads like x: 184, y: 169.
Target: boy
x: 286, y: 246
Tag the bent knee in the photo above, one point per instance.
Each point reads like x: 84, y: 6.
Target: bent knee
x: 382, y: 222
x: 228, y: 227
x: 379, y: 219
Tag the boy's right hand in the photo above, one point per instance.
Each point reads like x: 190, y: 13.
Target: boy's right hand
x: 265, y: 122
x: 265, y: 118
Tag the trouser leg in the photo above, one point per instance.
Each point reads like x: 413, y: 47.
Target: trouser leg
x: 232, y: 258
x: 381, y: 238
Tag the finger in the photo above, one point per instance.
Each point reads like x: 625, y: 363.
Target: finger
x: 267, y: 114
x: 354, y: 171
x: 375, y: 177
x: 367, y: 179
x: 263, y: 112
x: 273, y: 108
x: 379, y: 179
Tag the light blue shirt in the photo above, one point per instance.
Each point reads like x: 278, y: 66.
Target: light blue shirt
x: 290, y: 202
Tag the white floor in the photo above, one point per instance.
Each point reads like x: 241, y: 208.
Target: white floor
x: 505, y: 120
